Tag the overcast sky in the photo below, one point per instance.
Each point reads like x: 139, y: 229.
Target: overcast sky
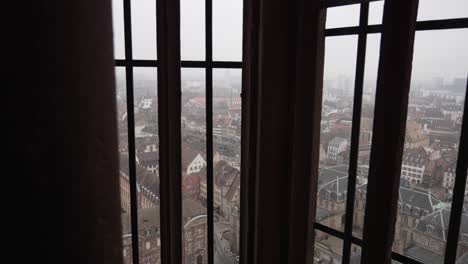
x: 441, y: 53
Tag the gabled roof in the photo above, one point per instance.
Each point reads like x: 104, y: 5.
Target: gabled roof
x: 189, y: 154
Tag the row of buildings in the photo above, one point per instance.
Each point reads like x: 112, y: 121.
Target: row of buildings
x: 422, y: 220
x: 429, y: 159
x: 194, y: 186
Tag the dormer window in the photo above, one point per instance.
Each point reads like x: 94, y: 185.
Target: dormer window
x: 429, y: 229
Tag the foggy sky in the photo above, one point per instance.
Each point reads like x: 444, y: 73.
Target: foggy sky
x: 441, y: 53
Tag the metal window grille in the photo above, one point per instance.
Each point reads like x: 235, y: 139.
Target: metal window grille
x: 362, y: 30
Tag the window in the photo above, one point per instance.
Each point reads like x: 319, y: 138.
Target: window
x: 138, y: 127
x: 429, y: 229
x: 430, y: 94
x: 211, y: 111
x: 429, y: 87
x: 211, y: 54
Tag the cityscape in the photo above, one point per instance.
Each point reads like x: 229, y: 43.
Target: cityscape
x: 226, y: 165
x: 432, y: 135
x: 427, y: 176
x: 431, y: 140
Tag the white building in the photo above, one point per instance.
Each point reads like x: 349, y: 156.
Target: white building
x: 413, y: 165
x: 449, y: 180
x: 335, y: 147
x: 146, y: 103
x: 196, y: 165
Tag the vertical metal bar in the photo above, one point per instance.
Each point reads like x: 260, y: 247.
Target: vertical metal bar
x: 131, y: 130
x: 169, y: 109
x: 458, y: 190
x: 356, y: 127
x: 209, y: 124
x: 391, y: 106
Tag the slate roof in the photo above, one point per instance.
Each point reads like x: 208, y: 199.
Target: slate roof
x: 327, y: 175
x: 336, y: 188
x: 415, y: 156
x: 355, y: 259
x: 148, y: 158
x: 420, y: 199
x: 337, y: 141
x: 333, y: 181
x: 142, y: 142
x: 321, y: 214
x: 413, y: 198
x: 463, y: 259
x: 438, y: 222
x: 424, y: 255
